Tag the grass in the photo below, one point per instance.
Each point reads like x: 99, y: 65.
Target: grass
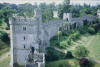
x: 5, y: 62
x: 92, y: 42
x: 94, y: 47
x: 4, y: 57
x: 63, y: 63
x: 66, y: 62
x: 4, y: 47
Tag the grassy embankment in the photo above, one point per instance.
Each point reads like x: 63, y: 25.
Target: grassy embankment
x: 92, y: 42
x: 4, y: 49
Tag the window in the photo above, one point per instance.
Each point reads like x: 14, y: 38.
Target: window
x: 24, y: 28
x: 24, y: 38
x: 24, y: 46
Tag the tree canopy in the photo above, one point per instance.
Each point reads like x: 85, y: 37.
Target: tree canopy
x: 80, y: 52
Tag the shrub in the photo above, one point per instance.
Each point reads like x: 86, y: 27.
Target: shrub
x: 91, y: 30
x: 75, y: 35
x: 52, y: 54
x: 69, y: 42
x: 80, y: 52
x: 83, y: 30
x: 4, y: 37
x: 1, y: 22
x: 85, y: 22
x: 64, y: 44
x: 69, y: 55
x: 99, y: 32
x: 97, y: 21
x: 86, y: 63
x: 7, y: 28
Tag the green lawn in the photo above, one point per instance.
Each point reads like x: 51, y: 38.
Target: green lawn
x: 4, y: 47
x: 92, y: 42
x: 63, y: 63
x: 4, y: 54
x: 94, y: 47
x: 5, y: 62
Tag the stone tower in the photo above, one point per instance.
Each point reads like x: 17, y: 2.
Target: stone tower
x: 67, y: 16
x: 25, y: 41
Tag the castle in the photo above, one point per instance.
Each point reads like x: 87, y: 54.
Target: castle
x: 30, y: 36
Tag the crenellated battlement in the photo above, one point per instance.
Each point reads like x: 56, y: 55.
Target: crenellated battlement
x: 22, y: 20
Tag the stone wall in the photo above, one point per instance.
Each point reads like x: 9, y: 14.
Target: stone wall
x: 31, y: 32
x: 53, y: 27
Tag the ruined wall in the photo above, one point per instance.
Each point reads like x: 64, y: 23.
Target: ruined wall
x: 53, y: 27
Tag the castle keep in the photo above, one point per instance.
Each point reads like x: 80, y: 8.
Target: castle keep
x: 30, y: 36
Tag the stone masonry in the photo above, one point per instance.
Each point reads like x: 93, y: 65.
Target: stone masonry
x: 30, y: 36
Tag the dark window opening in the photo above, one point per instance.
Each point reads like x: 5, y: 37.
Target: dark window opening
x: 24, y: 37
x: 24, y: 28
x: 24, y: 46
x: 32, y: 49
x: 74, y: 25
x: 67, y: 19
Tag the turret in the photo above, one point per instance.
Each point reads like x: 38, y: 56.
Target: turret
x: 67, y: 16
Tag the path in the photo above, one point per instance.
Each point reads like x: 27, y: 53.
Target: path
x: 93, y: 60
x: 60, y: 50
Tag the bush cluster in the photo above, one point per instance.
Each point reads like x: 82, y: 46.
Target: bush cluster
x: 80, y: 52
x: 64, y: 44
x: 75, y: 35
x: 52, y: 54
x: 69, y: 55
x: 4, y: 37
x: 91, y: 30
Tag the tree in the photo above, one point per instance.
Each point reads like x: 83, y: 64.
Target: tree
x: 5, y: 13
x: 66, y: 2
x: 63, y: 8
x: 4, y: 37
x: 75, y: 10
x: 60, y: 11
x: 52, y: 54
x: 47, y: 14
x: 91, y: 30
x: 63, y: 44
x: 86, y: 63
x: 69, y: 55
x: 80, y: 52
